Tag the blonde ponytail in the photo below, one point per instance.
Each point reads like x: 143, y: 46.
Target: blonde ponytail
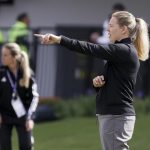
x: 142, y: 39
x: 24, y: 65
x: 138, y: 32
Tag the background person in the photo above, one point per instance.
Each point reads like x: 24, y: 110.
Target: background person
x: 2, y: 39
x: 18, y: 97
x: 19, y: 32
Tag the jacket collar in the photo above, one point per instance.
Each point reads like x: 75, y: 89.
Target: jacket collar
x: 126, y: 41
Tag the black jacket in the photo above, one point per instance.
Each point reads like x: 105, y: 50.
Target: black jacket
x: 29, y: 96
x: 121, y: 69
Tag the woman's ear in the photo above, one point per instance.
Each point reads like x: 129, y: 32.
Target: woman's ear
x: 125, y: 30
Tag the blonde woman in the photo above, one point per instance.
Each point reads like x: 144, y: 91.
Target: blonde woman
x: 18, y: 97
x: 114, y: 108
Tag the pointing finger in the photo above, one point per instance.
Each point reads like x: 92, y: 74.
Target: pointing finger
x: 39, y: 35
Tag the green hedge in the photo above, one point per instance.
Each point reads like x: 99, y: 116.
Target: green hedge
x: 82, y: 106
x: 85, y: 106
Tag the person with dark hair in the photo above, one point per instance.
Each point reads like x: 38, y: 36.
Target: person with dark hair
x: 118, y: 7
x: 23, y: 17
x: 114, y: 100
x: 18, y: 98
x: 20, y: 31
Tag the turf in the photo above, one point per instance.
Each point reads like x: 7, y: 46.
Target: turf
x: 82, y: 134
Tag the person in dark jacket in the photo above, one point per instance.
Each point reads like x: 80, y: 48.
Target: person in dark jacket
x: 18, y: 97
x: 114, y: 101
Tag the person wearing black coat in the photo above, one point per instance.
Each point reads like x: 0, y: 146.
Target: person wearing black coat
x: 114, y: 100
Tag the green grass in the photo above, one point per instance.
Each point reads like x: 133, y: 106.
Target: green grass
x: 140, y: 140
x: 82, y: 134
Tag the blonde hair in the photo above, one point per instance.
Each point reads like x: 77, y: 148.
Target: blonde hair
x: 138, y: 32
x: 23, y: 62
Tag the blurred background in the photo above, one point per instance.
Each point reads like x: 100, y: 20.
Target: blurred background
x: 64, y: 78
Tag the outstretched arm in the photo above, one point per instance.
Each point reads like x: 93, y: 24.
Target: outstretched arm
x: 48, y: 38
x: 111, y: 52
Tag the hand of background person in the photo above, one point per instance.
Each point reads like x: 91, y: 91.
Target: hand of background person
x: 94, y: 36
x: 48, y: 38
x: 29, y: 125
x: 98, y: 81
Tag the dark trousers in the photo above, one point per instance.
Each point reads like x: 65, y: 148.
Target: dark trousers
x: 24, y: 136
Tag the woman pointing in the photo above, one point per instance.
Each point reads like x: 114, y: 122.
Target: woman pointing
x: 114, y: 100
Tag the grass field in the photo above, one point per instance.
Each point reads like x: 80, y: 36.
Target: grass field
x: 82, y: 134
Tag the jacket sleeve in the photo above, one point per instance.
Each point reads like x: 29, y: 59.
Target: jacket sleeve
x: 35, y: 100
x: 110, y: 52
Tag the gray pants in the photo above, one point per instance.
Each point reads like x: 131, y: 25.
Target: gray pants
x: 115, y: 131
